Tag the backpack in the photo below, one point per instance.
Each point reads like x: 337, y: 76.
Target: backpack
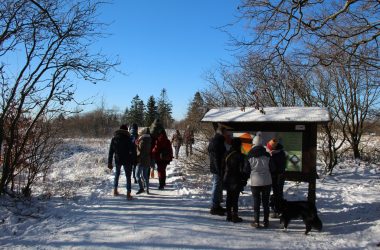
x: 165, y: 155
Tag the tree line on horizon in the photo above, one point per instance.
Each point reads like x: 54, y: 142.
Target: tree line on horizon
x: 102, y: 122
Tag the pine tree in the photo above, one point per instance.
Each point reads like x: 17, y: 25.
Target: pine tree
x: 151, y: 111
x: 195, y: 110
x: 136, y: 112
x: 125, y: 116
x: 164, y: 108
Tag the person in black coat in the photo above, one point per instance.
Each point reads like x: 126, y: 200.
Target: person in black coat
x: 236, y: 174
x: 216, y: 150
x: 121, y: 147
x: 277, y: 164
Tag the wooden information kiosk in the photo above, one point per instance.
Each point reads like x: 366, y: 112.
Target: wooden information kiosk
x: 294, y: 127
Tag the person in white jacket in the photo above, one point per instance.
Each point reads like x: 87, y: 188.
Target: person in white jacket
x: 261, y: 180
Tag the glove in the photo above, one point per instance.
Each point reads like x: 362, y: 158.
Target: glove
x: 110, y: 167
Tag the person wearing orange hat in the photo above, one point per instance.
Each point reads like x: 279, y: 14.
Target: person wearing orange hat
x: 277, y: 164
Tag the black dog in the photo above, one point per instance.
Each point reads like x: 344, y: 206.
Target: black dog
x: 300, y: 209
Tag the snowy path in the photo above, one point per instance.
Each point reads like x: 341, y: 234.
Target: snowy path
x: 178, y: 217
x: 162, y: 220
x: 170, y: 220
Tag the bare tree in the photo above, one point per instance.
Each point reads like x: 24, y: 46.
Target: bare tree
x: 253, y: 84
x: 51, y: 40
x: 317, y: 32
x: 350, y: 91
x: 359, y: 91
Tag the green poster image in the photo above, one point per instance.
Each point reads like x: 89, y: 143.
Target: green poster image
x: 292, y: 142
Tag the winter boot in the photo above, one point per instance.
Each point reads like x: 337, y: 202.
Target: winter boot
x: 266, y: 224
x: 217, y: 211
x: 161, y: 183
x: 229, y: 216
x: 129, y: 196
x: 115, y: 192
x: 255, y: 223
x: 141, y: 190
x: 236, y: 218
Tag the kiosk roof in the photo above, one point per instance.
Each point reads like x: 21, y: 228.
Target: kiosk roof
x: 270, y: 114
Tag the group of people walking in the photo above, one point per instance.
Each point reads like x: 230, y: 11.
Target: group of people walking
x: 187, y: 139
x: 138, y: 153
x: 231, y: 169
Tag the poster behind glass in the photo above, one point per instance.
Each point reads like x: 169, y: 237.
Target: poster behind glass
x: 291, y: 141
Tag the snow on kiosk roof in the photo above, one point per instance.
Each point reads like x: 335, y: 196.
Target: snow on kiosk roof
x: 270, y: 114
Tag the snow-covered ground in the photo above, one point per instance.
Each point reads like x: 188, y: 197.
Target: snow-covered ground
x: 76, y: 210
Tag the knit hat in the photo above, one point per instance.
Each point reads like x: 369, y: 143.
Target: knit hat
x: 134, y: 126
x: 124, y: 127
x: 272, y: 144
x: 257, y: 141
x: 236, y: 143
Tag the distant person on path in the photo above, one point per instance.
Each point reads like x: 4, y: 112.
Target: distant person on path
x: 261, y: 180
x: 134, y: 136
x: 277, y: 164
x: 235, y: 177
x: 143, y: 160
x: 176, y: 142
x: 163, y: 155
x: 216, y: 150
x: 188, y: 137
x: 121, y: 146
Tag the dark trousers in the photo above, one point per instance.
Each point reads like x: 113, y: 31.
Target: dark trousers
x: 232, y: 201
x: 161, y: 170
x: 261, y: 195
x: 176, y: 151
x: 277, y: 187
x: 134, y: 172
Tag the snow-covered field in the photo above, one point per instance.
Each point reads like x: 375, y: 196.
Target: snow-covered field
x: 76, y: 210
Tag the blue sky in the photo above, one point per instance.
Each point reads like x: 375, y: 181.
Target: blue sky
x: 161, y: 44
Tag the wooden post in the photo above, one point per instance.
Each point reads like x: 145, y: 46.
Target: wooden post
x: 311, y: 192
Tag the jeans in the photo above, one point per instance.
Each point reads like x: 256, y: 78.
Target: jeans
x: 217, y: 191
x: 128, y: 172
x: 189, y: 147
x: 142, y: 174
x: 261, y: 194
x: 176, y: 151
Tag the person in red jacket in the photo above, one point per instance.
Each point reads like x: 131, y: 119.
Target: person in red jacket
x: 163, y: 155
